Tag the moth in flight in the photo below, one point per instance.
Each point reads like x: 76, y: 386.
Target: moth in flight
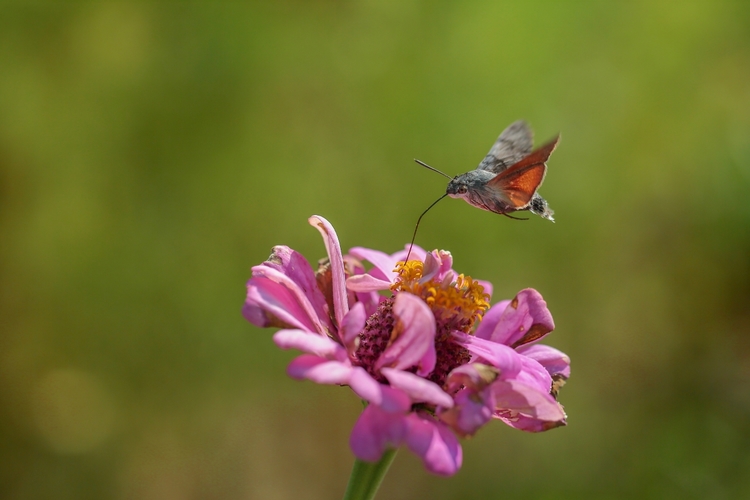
x: 507, y: 179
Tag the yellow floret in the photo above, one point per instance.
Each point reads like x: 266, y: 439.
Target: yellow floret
x: 463, y: 300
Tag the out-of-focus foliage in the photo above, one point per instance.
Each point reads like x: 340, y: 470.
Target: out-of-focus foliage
x: 151, y: 153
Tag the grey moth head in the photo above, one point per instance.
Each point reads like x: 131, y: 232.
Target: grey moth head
x: 456, y: 188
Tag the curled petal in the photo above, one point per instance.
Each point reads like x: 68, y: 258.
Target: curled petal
x: 437, y: 266
x: 435, y: 443
x: 292, y: 264
x: 340, y: 302
x: 525, y: 320
x: 419, y: 389
x: 375, y: 431
x: 275, y: 300
x: 500, y: 356
x: 554, y: 361
x: 413, y: 334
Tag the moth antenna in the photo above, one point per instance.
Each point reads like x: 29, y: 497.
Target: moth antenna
x: 515, y: 218
x: 414, y: 236
x: 432, y: 168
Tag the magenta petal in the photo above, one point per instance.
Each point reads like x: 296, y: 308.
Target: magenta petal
x: 354, y: 322
x: 310, y: 343
x: 276, y: 292
x: 293, y: 264
x: 490, y: 320
x: 472, y: 410
x: 437, y: 265
x: 371, y: 301
x: 340, y: 302
x: 414, y: 334
x: 419, y: 389
x: 525, y: 320
x: 270, y: 304
x: 434, y: 442
x: 375, y: 431
x: 500, y: 356
x: 431, y: 265
x: 534, y: 375
x: 387, y: 398
x: 383, y: 262
x: 475, y: 376
x: 554, y: 361
x: 529, y: 424
x: 319, y: 370
x: 520, y: 398
x: 366, y: 283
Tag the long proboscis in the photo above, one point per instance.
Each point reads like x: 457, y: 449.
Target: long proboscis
x: 414, y: 236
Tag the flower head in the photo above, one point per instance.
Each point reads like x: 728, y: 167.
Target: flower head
x: 411, y: 353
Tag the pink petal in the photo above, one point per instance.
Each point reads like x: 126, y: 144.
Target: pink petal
x: 417, y: 253
x: 414, y: 334
x: 371, y: 301
x: 354, y: 323
x: 437, y: 265
x: 375, y: 431
x: 434, y: 442
x: 291, y: 263
x: 475, y: 376
x: 535, y: 375
x: 383, y: 262
x: 528, y: 424
x: 554, y: 361
x: 275, y: 300
x: 490, y: 320
x: 472, y: 410
x: 387, y: 398
x: 340, y: 302
x: 366, y: 283
x: 527, y: 400
x: 419, y: 389
x: 319, y: 370
x: 310, y: 343
x: 500, y: 356
x: 525, y: 320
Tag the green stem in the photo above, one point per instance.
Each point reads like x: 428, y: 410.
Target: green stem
x: 367, y: 476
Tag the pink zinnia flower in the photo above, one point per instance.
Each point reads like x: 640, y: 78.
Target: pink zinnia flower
x: 411, y: 355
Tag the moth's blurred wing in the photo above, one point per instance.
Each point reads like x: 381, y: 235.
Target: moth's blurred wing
x: 519, y: 182
x: 511, y: 147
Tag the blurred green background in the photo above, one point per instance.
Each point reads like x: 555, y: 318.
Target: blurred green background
x: 151, y: 153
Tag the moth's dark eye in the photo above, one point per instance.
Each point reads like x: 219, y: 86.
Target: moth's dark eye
x: 462, y: 189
